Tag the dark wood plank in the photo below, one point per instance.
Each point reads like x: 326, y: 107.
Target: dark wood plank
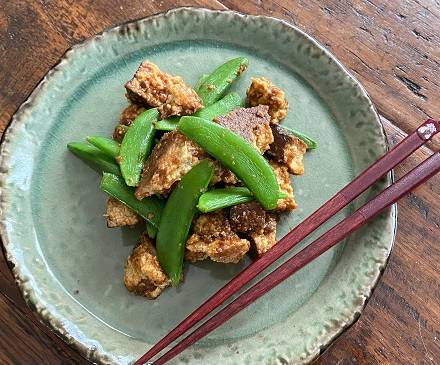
x: 24, y: 341
x: 29, y: 29
x: 401, y: 323
x: 392, y: 48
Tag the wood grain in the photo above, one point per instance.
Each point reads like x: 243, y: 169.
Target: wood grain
x: 392, y: 47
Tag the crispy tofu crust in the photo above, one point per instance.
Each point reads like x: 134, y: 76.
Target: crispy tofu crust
x: 288, y: 150
x: 130, y: 113
x: 263, y: 92
x: 214, y: 239
x: 170, y: 159
x: 283, y: 179
x: 265, y: 239
x: 252, y: 124
x: 247, y: 217
x: 119, y: 133
x: 119, y: 215
x: 143, y: 274
x: 152, y: 87
x: 222, y: 174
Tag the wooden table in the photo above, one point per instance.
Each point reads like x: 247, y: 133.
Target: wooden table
x: 393, y: 48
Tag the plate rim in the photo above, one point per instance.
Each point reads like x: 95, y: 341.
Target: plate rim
x: 50, y: 319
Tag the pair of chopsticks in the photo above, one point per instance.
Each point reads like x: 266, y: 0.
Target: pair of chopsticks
x: 389, y: 196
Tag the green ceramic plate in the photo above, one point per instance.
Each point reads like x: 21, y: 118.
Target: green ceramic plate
x: 69, y: 266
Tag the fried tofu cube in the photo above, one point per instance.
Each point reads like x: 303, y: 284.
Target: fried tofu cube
x: 119, y: 215
x: 143, y: 274
x: 222, y: 174
x: 247, y: 217
x: 283, y: 179
x: 252, y: 124
x: 130, y: 113
x: 266, y: 238
x: 170, y: 159
x: 287, y: 149
x: 119, y: 133
x: 263, y: 92
x: 228, y: 250
x: 214, y: 239
x: 154, y: 88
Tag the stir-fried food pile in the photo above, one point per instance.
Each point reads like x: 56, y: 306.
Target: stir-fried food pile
x: 206, y: 172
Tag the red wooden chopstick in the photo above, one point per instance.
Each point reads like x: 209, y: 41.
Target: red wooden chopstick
x: 406, y: 147
x: 410, y: 181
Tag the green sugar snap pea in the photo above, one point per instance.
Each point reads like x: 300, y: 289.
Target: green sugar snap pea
x: 310, y: 143
x: 227, y: 197
x: 239, y: 156
x: 200, y: 81
x: 107, y: 145
x: 136, y: 145
x: 95, y: 156
x: 215, y: 85
x: 177, y: 217
x: 223, y: 106
x: 149, y: 208
x: 223, y: 198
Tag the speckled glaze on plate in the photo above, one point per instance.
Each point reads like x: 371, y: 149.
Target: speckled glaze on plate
x: 69, y: 266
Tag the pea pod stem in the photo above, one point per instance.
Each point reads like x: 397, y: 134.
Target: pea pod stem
x: 149, y: 208
x: 177, y: 216
x: 136, y: 145
x: 107, y: 145
x: 310, y: 143
x: 229, y: 102
x: 215, y: 85
x: 236, y: 154
x: 94, y: 156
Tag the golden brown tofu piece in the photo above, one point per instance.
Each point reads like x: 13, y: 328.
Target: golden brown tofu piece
x: 170, y: 159
x: 252, y: 124
x: 247, y: 217
x: 263, y: 92
x: 143, y: 274
x: 119, y: 132
x: 152, y: 87
x: 130, y: 113
x: 214, y: 238
x: 283, y: 179
x: 265, y: 239
x: 287, y: 149
x: 222, y: 174
x: 119, y: 215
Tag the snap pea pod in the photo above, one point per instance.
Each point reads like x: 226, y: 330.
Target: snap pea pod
x: 236, y: 154
x: 149, y: 208
x: 136, y: 145
x: 222, y: 198
x: 168, y: 124
x: 108, y: 146
x: 177, y: 217
x: 227, y: 197
x: 310, y: 143
x: 223, y: 106
x: 151, y: 230
x: 220, y: 79
x: 200, y: 81
x: 95, y: 156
